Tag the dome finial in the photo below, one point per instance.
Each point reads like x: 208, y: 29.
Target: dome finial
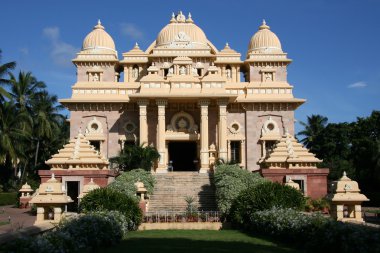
x: 264, y: 25
x: 189, y: 19
x: 137, y: 45
x: 173, y: 20
x: 180, y: 17
x: 99, y: 25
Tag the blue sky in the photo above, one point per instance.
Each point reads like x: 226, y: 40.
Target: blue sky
x: 334, y: 44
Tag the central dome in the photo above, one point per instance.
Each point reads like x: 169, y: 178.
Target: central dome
x: 182, y: 32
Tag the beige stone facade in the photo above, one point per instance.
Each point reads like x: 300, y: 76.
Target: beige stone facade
x: 183, y: 93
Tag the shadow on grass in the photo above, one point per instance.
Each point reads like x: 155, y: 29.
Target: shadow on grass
x: 195, y: 241
x: 176, y: 245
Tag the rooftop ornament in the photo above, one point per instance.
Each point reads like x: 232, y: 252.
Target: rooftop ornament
x: 50, y: 201
x: 25, y: 197
x: 346, y: 200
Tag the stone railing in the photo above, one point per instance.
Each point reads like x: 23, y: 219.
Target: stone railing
x: 173, y: 216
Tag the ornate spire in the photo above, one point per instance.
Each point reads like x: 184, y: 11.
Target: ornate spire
x: 99, y: 25
x: 189, y: 19
x: 173, y: 20
x: 264, y: 25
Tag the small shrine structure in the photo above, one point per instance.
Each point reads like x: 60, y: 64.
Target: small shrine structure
x: 50, y: 201
x: 289, y: 160
x: 75, y: 165
x: 346, y: 200
x: 25, y: 196
x: 141, y: 192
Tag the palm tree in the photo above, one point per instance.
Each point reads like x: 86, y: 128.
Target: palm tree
x: 46, y: 119
x: 13, y: 134
x: 136, y: 157
x: 24, y: 89
x: 314, y: 126
x: 5, y: 71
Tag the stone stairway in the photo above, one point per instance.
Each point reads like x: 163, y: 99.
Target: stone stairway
x: 172, y: 188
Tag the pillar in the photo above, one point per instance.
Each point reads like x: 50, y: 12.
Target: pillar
x: 204, y: 136
x: 143, y: 103
x: 57, y: 214
x: 40, y: 214
x: 242, y: 153
x: 223, y: 129
x: 161, y: 141
x: 228, y: 150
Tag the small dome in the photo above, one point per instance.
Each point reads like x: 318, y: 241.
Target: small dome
x: 182, y: 31
x: 98, y: 39
x: 264, y: 41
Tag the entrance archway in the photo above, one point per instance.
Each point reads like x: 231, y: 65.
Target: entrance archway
x: 183, y: 155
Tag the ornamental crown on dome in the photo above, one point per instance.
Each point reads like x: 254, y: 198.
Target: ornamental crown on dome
x: 265, y: 41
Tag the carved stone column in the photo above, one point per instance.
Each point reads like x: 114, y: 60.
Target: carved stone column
x: 242, y: 153
x: 204, y: 136
x: 161, y: 104
x: 223, y: 129
x: 143, y: 103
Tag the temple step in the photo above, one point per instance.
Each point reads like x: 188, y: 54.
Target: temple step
x: 172, y: 188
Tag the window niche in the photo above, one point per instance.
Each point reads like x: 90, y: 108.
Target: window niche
x: 95, y: 76
x: 267, y: 75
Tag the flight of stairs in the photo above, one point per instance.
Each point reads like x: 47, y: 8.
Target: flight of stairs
x: 172, y: 188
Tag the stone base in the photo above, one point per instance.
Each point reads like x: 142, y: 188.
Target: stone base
x: 315, y: 179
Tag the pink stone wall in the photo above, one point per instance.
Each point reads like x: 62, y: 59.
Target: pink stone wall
x: 254, y: 123
x: 109, y: 120
x: 280, y: 74
x: 316, y: 179
x: 108, y: 73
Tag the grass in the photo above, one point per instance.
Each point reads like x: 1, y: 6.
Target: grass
x: 4, y: 223
x: 8, y: 198
x: 198, y: 241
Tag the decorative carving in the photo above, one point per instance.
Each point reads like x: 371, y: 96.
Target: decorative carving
x: 130, y: 127
x: 234, y: 127
x: 182, y: 122
x: 94, y: 127
x: 270, y: 127
x: 182, y: 36
x: 182, y: 70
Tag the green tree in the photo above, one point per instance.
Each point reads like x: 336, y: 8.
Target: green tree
x: 135, y: 157
x: 24, y: 89
x: 14, y: 133
x: 5, y: 70
x: 46, y: 118
x: 314, y: 126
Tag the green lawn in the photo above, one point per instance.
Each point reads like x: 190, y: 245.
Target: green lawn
x: 195, y: 241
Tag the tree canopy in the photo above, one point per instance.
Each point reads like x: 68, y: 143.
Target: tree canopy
x: 351, y: 147
x: 32, y: 127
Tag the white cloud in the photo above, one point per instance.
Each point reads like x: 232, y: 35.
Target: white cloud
x: 61, y: 52
x: 131, y: 30
x: 356, y: 85
x: 24, y: 50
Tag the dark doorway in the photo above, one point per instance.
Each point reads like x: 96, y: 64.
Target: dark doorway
x: 73, y: 192
x: 183, y: 155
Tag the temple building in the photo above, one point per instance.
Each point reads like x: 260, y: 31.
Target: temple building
x: 192, y: 101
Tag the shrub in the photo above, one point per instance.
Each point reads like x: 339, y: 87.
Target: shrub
x: 134, y: 157
x: 229, y: 181
x: 107, y: 199
x: 125, y: 182
x: 314, y: 232
x: 265, y: 196
x: 81, y: 234
x: 8, y: 198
